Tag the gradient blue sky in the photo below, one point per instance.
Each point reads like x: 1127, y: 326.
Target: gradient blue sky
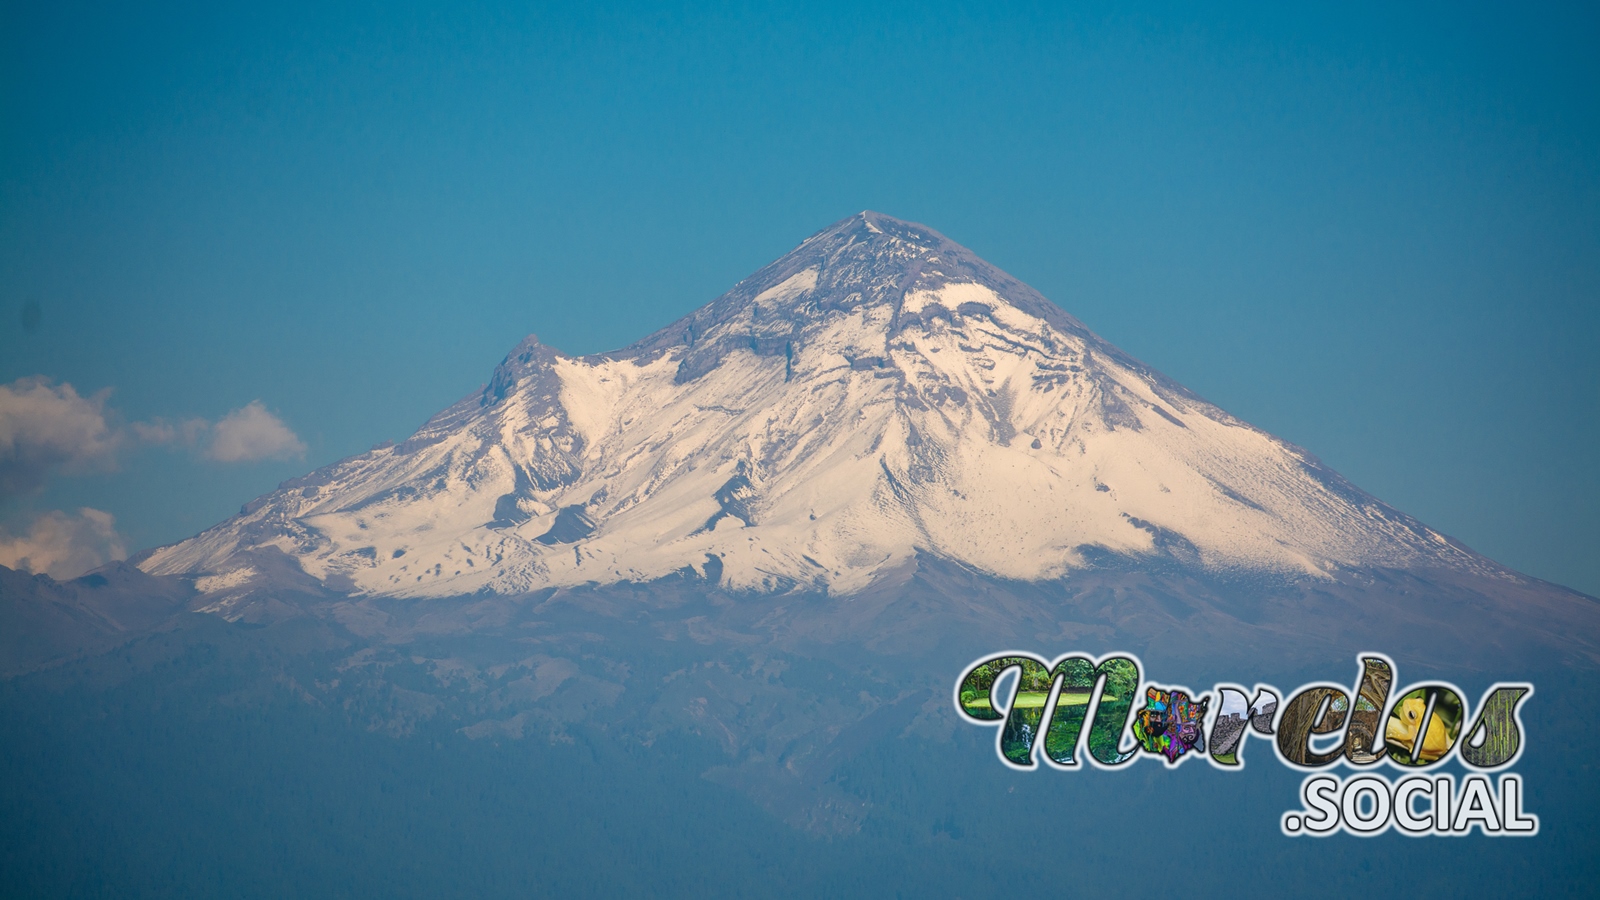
x: 1370, y: 231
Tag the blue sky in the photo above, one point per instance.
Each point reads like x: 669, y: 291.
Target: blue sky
x: 1370, y: 231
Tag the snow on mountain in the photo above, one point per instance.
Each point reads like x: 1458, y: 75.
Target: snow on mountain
x: 876, y: 393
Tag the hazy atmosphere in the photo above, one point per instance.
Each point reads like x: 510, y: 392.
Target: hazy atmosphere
x: 1052, y: 396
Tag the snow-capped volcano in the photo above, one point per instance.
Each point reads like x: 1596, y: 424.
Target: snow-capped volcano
x: 876, y: 393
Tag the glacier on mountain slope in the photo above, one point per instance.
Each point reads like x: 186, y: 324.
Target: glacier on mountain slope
x: 877, y: 393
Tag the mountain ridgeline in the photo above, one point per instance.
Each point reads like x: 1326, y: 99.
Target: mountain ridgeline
x: 876, y: 395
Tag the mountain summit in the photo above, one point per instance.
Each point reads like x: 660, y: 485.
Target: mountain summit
x: 877, y: 393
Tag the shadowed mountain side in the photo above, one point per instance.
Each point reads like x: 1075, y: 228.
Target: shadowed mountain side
x: 1429, y: 618
x: 208, y: 761
x: 43, y: 620
x: 788, y: 689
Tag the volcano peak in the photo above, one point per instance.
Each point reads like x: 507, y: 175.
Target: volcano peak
x: 875, y: 395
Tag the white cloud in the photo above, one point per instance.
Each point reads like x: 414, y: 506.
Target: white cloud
x: 44, y: 427
x: 47, y: 428
x: 64, y: 545
x: 250, y: 434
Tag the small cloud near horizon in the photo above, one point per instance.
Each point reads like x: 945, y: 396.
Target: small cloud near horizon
x: 48, y: 428
x: 252, y: 434
x: 64, y: 545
